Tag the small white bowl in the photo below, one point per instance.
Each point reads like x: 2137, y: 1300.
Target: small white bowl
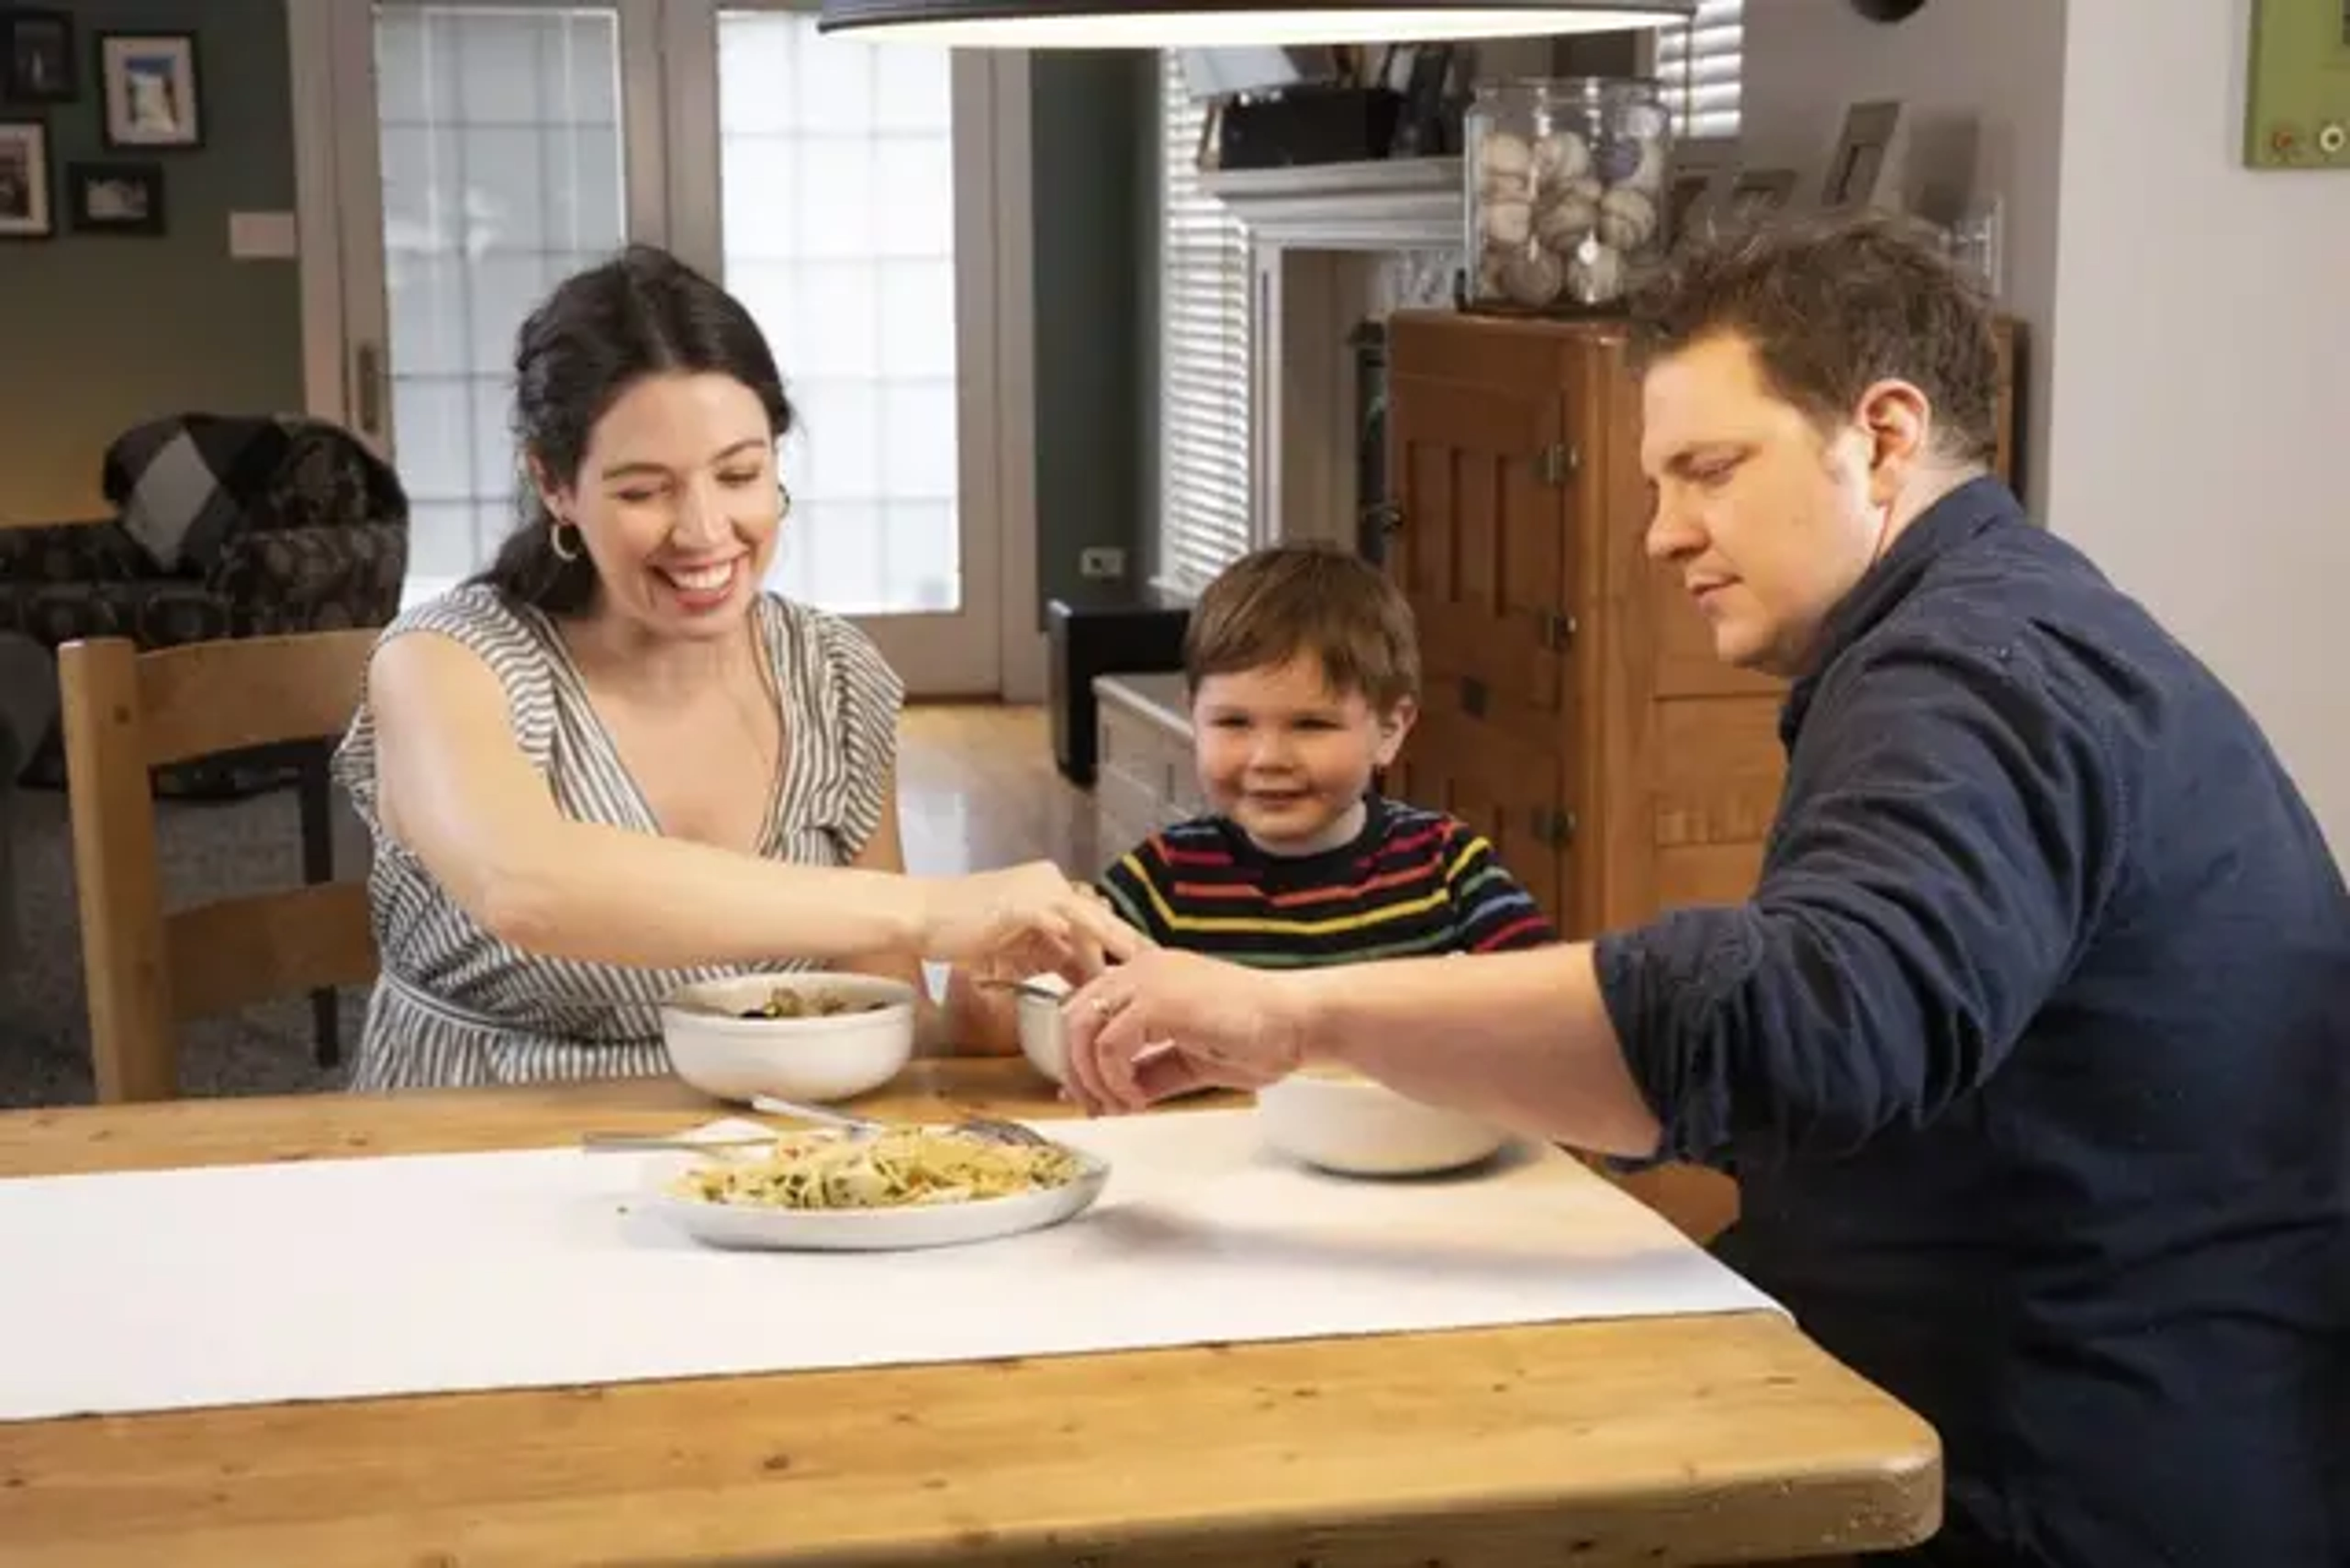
x: 822, y: 1058
x: 1355, y: 1127
x: 1043, y: 1039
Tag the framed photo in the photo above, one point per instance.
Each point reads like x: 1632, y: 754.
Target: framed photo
x: 1756, y: 196
x: 1697, y: 186
x: 1863, y: 169
x: 115, y: 198
x: 24, y: 209
x: 149, y: 83
x: 37, y: 57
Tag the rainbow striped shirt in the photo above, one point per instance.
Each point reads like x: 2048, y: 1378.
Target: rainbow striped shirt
x: 1413, y: 882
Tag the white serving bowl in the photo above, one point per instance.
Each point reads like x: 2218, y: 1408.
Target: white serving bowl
x: 1043, y: 1039
x: 822, y: 1058
x: 1345, y: 1123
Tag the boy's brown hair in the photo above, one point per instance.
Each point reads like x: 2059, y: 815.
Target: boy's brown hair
x: 1831, y: 304
x: 1274, y: 604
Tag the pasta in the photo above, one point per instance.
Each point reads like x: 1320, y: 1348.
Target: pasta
x: 902, y: 1167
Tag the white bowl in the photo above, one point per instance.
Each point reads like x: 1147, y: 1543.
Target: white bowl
x: 1043, y: 1039
x: 1351, y: 1125
x: 825, y: 1058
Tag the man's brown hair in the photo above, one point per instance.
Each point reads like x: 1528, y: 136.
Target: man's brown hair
x: 1831, y: 304
x: 1274, y: 604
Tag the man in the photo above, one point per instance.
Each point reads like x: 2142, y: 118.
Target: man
x: 2032, y: 1049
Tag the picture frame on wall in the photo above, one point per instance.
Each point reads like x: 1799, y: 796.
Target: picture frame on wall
x: 1697, y: 186
x: 149, y: 83
x: 26, y: 209
x: 115, y: 198
x: 1756, y: 196
x: 37, y: 57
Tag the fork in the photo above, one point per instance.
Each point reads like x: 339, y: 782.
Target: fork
x: 993, y: 1128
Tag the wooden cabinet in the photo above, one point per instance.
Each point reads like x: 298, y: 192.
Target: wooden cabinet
x: 1573, y: 709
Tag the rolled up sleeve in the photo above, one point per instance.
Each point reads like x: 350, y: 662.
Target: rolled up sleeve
x: 1945, y: 837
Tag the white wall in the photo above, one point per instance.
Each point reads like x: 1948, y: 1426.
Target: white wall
x: 2187, y: 409
x: 1984, y: 83
x: 2201, y: 399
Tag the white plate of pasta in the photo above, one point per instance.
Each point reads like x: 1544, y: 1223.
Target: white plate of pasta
x: 910, y: 1187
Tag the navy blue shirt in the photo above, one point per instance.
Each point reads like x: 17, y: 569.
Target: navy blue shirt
x: 2031, y: 1057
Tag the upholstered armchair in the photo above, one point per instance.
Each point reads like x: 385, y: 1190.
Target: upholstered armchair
x: 225, y: 526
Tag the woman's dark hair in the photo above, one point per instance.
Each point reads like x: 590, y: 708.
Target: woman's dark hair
x: 643, y: 313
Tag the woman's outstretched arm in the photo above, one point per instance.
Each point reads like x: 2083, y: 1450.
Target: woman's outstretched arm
x: 457, y: 791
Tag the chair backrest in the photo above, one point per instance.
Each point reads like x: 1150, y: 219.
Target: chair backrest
x: 127, y: 712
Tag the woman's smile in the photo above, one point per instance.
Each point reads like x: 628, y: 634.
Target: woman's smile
x: 702, y: 587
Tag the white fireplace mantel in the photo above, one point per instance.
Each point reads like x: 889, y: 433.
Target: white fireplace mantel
x: 1325, y: 238
x: 1393, y: 205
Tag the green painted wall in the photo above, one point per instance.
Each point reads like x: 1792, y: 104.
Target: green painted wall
x: 97, y: 332
x: 1093, y: 136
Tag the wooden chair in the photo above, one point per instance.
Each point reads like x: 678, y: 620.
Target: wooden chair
x: 127, y: 712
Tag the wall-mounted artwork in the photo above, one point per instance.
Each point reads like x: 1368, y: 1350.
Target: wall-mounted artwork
x: 149, y: 80
x: 25, y: 208
x: 116, y: 198
x: 37, y: 57
x: 1697, y: 186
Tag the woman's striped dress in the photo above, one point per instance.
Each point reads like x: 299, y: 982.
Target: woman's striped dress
x: 454, y: 1005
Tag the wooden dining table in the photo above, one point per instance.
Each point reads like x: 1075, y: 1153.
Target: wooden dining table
x: 1699, y: 1439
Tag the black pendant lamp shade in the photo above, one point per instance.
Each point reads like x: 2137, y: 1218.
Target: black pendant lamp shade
x: 1222, y: 24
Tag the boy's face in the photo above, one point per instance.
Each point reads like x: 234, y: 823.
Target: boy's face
x: 1287, y: 758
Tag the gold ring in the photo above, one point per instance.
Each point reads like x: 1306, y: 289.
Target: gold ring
x: 1104, y: 1007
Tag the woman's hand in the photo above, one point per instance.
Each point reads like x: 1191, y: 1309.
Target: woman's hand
x: 1022, y: 921
x: 1167, y: 1023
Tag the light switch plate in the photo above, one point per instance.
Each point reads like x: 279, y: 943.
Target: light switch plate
x: 2297, y: 91
x: 262, y: 236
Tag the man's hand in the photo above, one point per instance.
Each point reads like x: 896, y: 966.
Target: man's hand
x: 1167, y: 1023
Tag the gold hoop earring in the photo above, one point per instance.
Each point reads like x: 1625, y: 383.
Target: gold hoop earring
x: 554, y: 541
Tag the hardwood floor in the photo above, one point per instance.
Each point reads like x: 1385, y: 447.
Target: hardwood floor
x: 977, y: 789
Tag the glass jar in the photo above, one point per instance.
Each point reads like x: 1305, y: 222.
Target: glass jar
x: 1565, y: 199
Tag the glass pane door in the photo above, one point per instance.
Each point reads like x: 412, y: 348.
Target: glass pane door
x: 836, y: 168
x: 501, y: 143
x: 845, y: 199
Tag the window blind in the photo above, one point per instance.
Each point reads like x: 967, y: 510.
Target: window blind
x: 1697, y: 66
x: 1206, y: 282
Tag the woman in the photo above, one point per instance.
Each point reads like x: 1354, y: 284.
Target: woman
x: 612, y: 765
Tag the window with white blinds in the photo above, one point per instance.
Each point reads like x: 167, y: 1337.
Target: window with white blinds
x: 1698, y: 67
x: 1206, y: 281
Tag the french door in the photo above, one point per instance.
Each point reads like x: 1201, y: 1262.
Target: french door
x: 473, y: 152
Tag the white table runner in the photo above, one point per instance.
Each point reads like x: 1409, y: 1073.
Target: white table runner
x: 428, y: 1274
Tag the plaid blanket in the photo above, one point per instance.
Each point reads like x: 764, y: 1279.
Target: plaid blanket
x: 182, y: 483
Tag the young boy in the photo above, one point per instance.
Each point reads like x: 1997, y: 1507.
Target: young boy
x: 1303, y: 672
